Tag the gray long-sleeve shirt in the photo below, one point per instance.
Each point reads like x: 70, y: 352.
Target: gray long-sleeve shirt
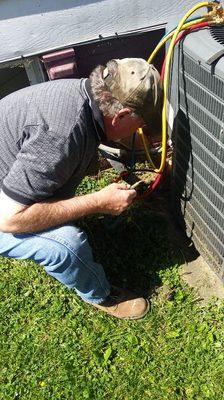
x: 48, y: 139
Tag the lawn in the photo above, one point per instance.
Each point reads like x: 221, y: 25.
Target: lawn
x: 55, y: 347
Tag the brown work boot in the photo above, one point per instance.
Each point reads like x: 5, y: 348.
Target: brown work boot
x: 124, y: 304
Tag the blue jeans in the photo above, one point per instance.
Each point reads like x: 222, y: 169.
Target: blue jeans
x: 66, y: 255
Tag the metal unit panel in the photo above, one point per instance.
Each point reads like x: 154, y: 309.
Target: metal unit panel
x: 198, y: 139
x: 36, y: 27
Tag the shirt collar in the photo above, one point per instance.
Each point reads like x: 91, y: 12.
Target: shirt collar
x: 96, y: 113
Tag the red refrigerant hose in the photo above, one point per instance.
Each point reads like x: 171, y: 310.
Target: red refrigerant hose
x: 158, y: 179
x: 180, y: 37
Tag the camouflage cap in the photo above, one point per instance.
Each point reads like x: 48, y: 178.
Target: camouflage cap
x: 135, y: 83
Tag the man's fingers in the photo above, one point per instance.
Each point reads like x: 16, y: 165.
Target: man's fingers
x: 132, y: 193
x: 123, y: 186
x: 136, y: 185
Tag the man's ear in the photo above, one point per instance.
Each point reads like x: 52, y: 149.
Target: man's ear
x: 120, y: 115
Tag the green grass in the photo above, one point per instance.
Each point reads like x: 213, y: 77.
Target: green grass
x: 55, y: 347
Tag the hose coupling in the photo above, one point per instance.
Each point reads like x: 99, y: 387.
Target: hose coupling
x: 216, y: 15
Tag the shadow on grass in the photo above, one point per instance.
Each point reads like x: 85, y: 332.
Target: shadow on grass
x: 135, y: 249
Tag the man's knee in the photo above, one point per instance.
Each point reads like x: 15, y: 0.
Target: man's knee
x: 64, y: 246
x: 68, y: 235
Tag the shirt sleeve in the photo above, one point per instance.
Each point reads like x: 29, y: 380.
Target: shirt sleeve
x: 43, y: 165
x: 8, y: 207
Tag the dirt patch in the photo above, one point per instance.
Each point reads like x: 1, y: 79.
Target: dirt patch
x: 201, y: 277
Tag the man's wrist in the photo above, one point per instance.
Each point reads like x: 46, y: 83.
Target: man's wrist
x: 92, y: 203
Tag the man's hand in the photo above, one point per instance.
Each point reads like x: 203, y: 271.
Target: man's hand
x: 115, y: 198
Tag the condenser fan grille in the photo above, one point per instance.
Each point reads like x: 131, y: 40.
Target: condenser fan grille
x: 217, y: 33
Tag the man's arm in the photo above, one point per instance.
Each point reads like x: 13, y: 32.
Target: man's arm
x: 112, y: 200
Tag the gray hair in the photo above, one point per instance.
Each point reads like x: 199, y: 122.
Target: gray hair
x: 108, y: 104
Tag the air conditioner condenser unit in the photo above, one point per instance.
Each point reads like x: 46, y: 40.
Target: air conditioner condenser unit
x: 196, y: 119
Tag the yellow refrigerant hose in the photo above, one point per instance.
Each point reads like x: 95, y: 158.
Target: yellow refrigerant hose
x: 155, y: 51
x: 166, y: 38
x: 181, y: 26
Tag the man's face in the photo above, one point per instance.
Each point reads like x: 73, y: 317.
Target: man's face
x: 127, y: 124
x: 123, y: 124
